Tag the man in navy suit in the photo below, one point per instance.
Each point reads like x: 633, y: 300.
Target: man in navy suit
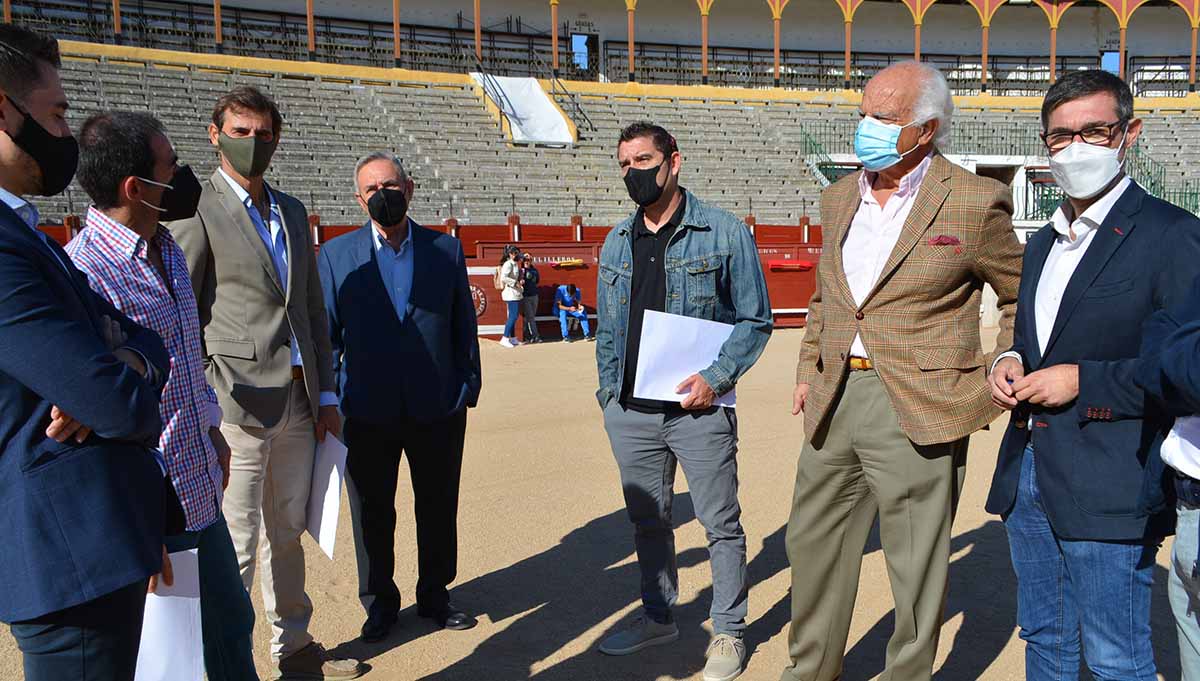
x: 1079, y: 480
x: 81, y: 491
x: 406, y: 358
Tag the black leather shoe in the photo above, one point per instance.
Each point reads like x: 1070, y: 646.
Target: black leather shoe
x: 449, y: 617
x: 377, y: 627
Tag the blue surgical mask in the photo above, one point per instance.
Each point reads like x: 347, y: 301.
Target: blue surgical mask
x: 875, y: 143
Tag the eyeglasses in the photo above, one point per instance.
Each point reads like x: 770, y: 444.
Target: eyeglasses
x: 1099, y: 135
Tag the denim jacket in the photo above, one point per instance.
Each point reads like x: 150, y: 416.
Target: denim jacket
x: 713, y: 273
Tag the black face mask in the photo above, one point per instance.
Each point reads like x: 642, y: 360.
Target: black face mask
x: 56, y: 157
x: 179, y: 201
x: 388, y: 207
x: 643, y: 185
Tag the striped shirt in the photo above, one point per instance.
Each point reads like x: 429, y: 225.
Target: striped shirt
x: 115, y: 260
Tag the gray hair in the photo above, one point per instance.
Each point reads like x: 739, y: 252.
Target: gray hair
x: 934, y: 102
x: 379, y: 156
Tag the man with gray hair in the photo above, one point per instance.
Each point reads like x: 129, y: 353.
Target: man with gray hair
x: 406, y: 363
x: 892, y: 376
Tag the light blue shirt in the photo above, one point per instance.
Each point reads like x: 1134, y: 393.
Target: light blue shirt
x: 396, y: 269
x: 274, y: 237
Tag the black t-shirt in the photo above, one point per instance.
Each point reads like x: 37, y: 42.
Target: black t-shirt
x: 532, y: 279
x: 648, y: 291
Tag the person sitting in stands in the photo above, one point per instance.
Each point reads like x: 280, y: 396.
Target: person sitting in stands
x: 568, y: 303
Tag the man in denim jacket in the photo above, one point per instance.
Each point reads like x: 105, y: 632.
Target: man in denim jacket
x: 678, y: 255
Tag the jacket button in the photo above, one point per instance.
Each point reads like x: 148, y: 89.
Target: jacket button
x: 843, y: 356
x: 859, y: 315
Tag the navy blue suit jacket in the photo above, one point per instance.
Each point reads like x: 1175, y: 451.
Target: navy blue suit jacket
x: 1171, y: 356
x: 424, y: 368
x: 77, y: 521
x: 1097, y: 458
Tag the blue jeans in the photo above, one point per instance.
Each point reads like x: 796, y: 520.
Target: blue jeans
x: 1184, y: 584
x: 1073, y: 591
x: 226, y: 613
x: 581, y: 316
x: 510, y: 325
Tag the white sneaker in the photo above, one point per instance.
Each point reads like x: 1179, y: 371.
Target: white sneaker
x: 726, y: 654
x: 643, y: 633
x: 506, y: 343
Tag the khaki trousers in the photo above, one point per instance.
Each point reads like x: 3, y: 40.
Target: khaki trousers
x: 858, y: 466
x: 269, y: 481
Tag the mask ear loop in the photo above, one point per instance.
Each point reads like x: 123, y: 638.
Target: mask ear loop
x: 918, y: 144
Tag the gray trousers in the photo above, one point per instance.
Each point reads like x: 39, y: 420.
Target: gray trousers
x: 529, y: 329
x: 647, y: 447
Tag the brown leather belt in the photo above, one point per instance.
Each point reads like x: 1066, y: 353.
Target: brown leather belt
x: 297, y: 373
x: 861, y: 364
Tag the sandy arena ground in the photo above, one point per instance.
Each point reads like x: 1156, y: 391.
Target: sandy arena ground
x: 546, y: 550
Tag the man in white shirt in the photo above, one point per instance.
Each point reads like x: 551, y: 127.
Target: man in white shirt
x: 892, y: 378
x: 1079, y: 481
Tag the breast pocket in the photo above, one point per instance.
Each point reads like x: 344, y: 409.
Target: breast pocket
x: 701, y: 281
x: 1109, y: 289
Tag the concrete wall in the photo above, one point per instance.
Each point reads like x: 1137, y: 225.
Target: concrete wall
x: 807, y: 24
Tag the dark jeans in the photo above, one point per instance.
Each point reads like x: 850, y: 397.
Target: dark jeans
x: 1074, y: 594
x: 93, y: 641
x: 226, y: 613
x: 510, y: 324
x: 529, y: 307
x: 434, y: 453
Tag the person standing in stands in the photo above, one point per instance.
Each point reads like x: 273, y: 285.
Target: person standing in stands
x: 529, y: 301
x: 892, y: 378
x: 569, y: 305
x: 680, y: 255
x: 511, y: 292
x: 81, y: 491
x: 266, y: 347
x: 394, y: 402
x: 1080, y: 480
x: 129, y: 169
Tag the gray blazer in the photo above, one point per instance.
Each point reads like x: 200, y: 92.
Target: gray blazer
x: 247, y: 316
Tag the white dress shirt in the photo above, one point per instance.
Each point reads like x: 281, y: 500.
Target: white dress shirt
x: 873, y: 235
x: 396, y: 269
x: 274, y: 237
x: 1065, y: 255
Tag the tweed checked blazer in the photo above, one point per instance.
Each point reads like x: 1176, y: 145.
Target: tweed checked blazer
x: 920, y: 324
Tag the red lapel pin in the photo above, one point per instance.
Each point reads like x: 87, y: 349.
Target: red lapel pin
x: 1118, y: 231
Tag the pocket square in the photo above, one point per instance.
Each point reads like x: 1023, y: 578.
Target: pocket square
x: 944, y: 240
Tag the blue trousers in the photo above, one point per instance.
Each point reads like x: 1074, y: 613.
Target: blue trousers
x: 1184, y: 586
x: 1076, y: 591
x: 226, y: 613
x: 93, y: 641
x: 581, y: 316
x: 510, y: 324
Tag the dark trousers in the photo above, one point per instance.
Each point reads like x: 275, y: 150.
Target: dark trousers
x: 434, y: 453
x: 93, y: 641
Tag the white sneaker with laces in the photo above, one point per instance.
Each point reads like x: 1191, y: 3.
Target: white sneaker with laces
x: 643, y: 633
x: 726, y: 654
x: 506, y: 343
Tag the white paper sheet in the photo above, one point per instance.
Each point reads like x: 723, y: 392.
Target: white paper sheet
x: 674, y: 347
x: 325, y: 497
x: 172, y: 647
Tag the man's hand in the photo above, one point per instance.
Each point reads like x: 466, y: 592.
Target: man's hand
x: 1051, y: 387
x: 799, y: 397
x: 63, y: 426
x: 166, y: 575
x: 328, y: 421
x: 699, y: 394
x: 114, y: 336
x: 131, y: 359
x: 223, y: 454
x: 1002, y: 379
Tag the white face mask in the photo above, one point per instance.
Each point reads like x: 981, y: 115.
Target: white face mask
x: 1083, y: 170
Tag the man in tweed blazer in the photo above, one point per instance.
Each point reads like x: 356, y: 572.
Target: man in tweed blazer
x: 891, y: 375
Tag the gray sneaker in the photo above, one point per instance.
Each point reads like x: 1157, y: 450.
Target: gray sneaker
x: 643, y: 633
x: 312, y: 663
x: 726, y: 654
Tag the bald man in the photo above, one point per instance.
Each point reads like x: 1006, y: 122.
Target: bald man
x: 892, y: 378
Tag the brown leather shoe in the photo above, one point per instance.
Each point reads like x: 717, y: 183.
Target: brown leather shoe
x: 312, y: 663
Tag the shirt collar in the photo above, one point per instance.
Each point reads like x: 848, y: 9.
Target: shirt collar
x: 121, y: 237
x: 1092, y: 218
x: 244, y: 196
x: 640, y: 228
x: 21, y: 207
x: 380, y: 243
x: 909, y: 184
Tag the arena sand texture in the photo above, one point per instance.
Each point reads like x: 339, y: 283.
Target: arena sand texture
x: 546, y: 551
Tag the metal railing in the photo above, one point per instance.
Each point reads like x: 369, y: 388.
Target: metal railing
x: 560, y: 92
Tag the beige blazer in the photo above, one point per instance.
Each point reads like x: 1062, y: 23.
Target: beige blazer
x: 247, y: 315
x: 921, y: 322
